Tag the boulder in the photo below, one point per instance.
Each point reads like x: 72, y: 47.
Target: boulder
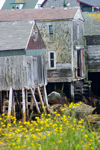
x: 82, y: 110
x: 57, y: 98
x: 93, y: 121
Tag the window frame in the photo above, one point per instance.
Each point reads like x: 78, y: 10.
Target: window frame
x: 50, y: 67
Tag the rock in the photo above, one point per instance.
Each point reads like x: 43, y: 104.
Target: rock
x: 93, y: 121
x: 56, y: 98
x: 83, y: 110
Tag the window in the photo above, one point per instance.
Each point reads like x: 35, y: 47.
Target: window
x: 51, y: 31
x: 52, y: 59
x: 16, y: 6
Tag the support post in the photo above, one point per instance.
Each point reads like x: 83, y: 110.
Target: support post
x: 3, y: 98
x: 31, y: 104
x: 1, y: 105
x: 23, y: 99
x: 36, y: 104
x: 40, y: 96
x: 45, y: 96
x: 13, y: 105
x: 26, y: 103
x: 72, y: 91
x: 10, y: 102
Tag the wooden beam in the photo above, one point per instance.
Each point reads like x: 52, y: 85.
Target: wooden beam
x: 31, y: 104
x: 26, y: 103
x: 35, y: 101
x: 13, y: 105
x: 40, y: 96
x: 45, y: 96
x: 1, y: 105
x: 23, y: 99
x: 3, y: 98
x: 10, y: 102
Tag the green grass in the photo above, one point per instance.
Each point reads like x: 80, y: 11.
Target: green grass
x: 60, y: 132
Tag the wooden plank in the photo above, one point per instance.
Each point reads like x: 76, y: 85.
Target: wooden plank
x: 10, y: 102
x: 35, y: 101
x: 40, y: 96
x: 23, y: 98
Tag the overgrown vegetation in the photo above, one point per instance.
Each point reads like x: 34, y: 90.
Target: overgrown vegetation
x: 59, y: 132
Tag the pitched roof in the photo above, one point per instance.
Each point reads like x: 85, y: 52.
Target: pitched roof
x: 59, y: 3
x: 13, y: 35
x: 94, y: 3
x: 38, y: 14
x: 28, y: 4
x: 92, y: 23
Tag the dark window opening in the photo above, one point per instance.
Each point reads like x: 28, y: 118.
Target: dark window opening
x: 52, y: 59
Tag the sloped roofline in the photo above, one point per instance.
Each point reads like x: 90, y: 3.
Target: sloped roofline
x: 43, y: 3
x: 38, y: 14
x: 79, y: 1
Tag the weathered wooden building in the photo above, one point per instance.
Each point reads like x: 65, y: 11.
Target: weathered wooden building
x: 62, y: 32
x: 92, y: 48
x: 22, y: 64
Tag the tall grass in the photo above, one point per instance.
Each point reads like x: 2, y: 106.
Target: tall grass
x: 60, y: 132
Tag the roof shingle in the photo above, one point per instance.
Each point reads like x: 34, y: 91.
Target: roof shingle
x: 13, y: 35
x: 38, y: 14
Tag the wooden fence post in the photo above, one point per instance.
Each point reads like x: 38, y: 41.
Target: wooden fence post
x: 23, y: 98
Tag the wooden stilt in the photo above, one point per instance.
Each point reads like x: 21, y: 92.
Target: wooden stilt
x: 45, y: 96
x: 72, y: 91
x: 31, y: 105
x: 62, y: 88
x: 3, y: 98
x: 26, y: 103
x: 1, y: 106
x: 10, y: 103
x: 36, y: 104
x: 40, y: 96
x: 13, y: 105
x: 19, y: 103
x: 24, y: 110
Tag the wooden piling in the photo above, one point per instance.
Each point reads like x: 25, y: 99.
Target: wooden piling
x: 1, y: 107
x: 13, y: 105
x: 45, y: 96
x: 26, y: 103
x: 35, y: 101
x: 40, y: 96
x: 23, y: 99
x: 10, y: 102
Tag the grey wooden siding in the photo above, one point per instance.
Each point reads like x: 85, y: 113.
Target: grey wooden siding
x: 94, y: 58
x: 22, y: 71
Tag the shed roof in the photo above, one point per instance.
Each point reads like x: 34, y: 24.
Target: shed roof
x: 28, y: 4
x: 60, y: 3
x: 92, y: 23
x: 39, y: 14
x: 94, y: 3
x: 13, y: 35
